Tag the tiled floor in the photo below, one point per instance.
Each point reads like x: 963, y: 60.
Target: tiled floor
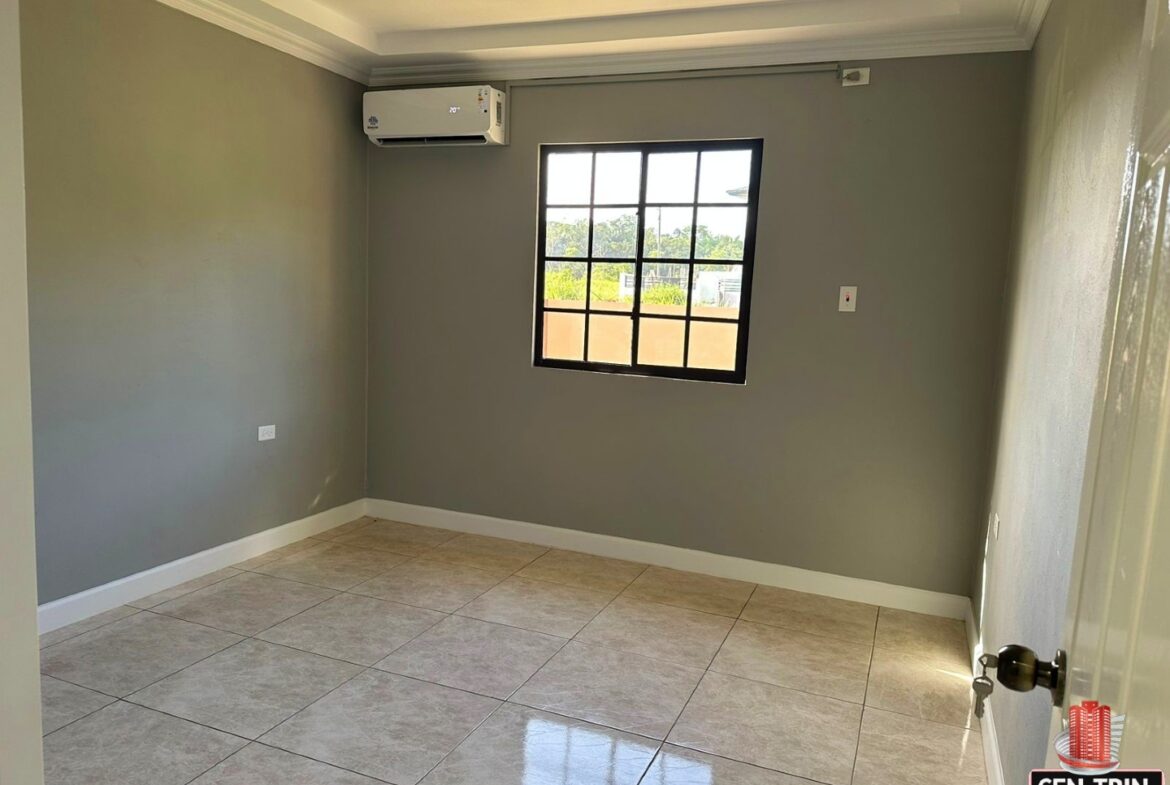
x: 382, y: 652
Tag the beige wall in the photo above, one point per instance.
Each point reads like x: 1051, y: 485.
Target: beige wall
x: 1080, y: 111
x: 20, y: 705
x: 859, y: 444
x: 197, y: 268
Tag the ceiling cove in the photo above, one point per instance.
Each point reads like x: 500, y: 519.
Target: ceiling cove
x: 393, y: 42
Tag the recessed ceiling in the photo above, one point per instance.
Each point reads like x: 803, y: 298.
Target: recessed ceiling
x: 426, y: 41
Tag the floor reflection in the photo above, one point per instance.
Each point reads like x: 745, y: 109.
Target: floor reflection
x: 557, y: 752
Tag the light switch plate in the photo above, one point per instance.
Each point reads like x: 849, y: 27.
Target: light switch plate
x: 847, y: 300
x: 266, y: 433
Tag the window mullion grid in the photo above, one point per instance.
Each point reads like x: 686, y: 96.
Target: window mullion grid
x: 589, y: 254
x: 636, y: 312
x: 691, y: 266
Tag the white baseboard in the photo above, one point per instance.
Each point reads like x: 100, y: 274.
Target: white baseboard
x: 991, y: 747
x: 974, y: 642
x: 840, y: 586
x: 58, y: 613
x: 76, y: 607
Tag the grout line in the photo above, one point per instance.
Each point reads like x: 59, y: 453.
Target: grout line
x: 91, y: 629
x: 83, y: 716
x: 322, y: 762
x: 864, y: 698
x: 212, y: 766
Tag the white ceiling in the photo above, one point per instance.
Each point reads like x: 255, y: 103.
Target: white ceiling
x: 416, y: 41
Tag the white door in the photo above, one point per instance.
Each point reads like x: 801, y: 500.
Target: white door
x: 1118, y: 622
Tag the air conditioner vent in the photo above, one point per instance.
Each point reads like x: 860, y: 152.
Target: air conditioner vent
x: 432, y: 141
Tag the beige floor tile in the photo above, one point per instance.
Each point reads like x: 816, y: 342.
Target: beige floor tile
x: 62, y: 703
x: 680, y: 766
x: 477, y: 656
x: 584, y: 570
x: 812, y: 613
x: 538, y: 605
x: 384, y: 726
x: 787, y: 658
x: 85, y: 625
x: 124, y: 744
x: 345, y: 528
x: 486, y: 553
x: 131, y: 653
x: 521, y: 746
x: 786, y: 730
x: 936, y: 688
x: 353, y: 628
x: 332, y: 566
x: 260, y: 765
x: 895, y: 749
x: 173, y: 593
x: 690, y: 590
x: 403, y: 538
x: 610, y: 687
x: 246, y: 603
x: 278, y: 553
x: 663, y: 632
x: 247, y: 689
x: 921, y: 634
x: 428, y: 584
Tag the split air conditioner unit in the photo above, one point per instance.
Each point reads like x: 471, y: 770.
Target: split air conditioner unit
x: 435, y: 116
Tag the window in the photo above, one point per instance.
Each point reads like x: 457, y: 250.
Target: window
x: 646, y: 254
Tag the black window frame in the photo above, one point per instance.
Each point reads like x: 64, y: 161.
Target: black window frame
x: 736, y: 376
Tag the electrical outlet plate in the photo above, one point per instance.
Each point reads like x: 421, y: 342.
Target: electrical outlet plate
x: 854, y: 77
x: 266, y: 433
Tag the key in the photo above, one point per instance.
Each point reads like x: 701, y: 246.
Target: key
x: 983, y: 687
x: 982, y: 684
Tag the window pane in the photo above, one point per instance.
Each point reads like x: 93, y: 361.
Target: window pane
x: 615, y: 232
x: 670, y: 177
x: 610, y: 338
x: 717, y: 290
x: 660, y: 341
x: 564, y: 336
x: 720, y: 232
x: 713, y: 345
x: 664, y: 288
x: 619, y: 178
x: 724, y: 176
x: 569, y: 178
x: 612, y: 286
x: 564, y: 284
x: 668, y: 233
x: 566, y: 232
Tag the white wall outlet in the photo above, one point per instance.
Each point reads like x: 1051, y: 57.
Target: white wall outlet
x: 854, y: 77
x: 266, y: 433
x: 847, y: 300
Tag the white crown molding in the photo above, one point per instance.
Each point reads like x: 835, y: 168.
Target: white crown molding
x: 914, y: 45
x: 1032, y: 13
x: 223, y: 14
x: 465, y: 68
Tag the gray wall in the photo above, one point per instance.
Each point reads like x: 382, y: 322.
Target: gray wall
x: 1080, y: 110
x: 197, y: 268
x: 856, y: 436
